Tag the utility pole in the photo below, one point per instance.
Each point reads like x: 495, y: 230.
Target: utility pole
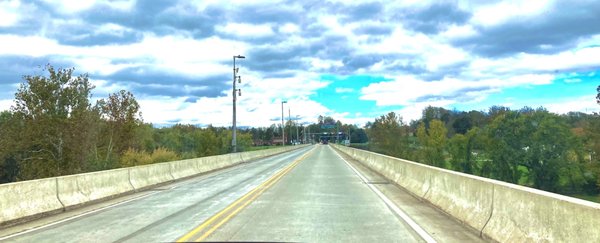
x: 297, y: 136
x: 290, y: 121
x: 235, y: 93
x: 304, y: 132
x: 282, y: 125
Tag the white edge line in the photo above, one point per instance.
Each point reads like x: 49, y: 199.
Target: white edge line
x: 74, y: 217
x: 420, y: 231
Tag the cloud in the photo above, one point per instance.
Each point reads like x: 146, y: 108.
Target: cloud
x: 433, y: 18
x: 246, y: 30
x: 5, y: 104
x: 546, y: 30
x: 585, y: 104
x: 176, y: 55
x: 8, y: 15
x: 407, y: 90
x: 363, y: 11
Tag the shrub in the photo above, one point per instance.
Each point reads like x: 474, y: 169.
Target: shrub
x: 163, y: 155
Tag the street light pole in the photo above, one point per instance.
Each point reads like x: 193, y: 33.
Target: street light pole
x: 235, y: 93
x: 282, y: 125
x: 290, y: 121
x: 297, y: 136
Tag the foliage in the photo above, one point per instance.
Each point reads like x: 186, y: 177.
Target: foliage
x: 55, y: 114
x: 389, y: 134
x: 461, y: 149
x: 134, y: 157
x: 433, y: 142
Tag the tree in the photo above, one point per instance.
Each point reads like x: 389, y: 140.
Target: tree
x: 598, y: 95
x: 56, y: 115
x: 435, y: 113
x: 122, y: 115
x: 10, y: 130
x: 460, y: 148
x: 358, y: 135
x: 388, y: 134
x: 550, y: 140
x: 462, y: 123
x: 433, y: 142
x: 506, y: 146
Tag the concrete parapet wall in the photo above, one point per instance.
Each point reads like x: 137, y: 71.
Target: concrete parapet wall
x: 526, y: 214
x: 29, y: 199
x: 82, y: 188
x: 148, y: 175
x: 501, y: 211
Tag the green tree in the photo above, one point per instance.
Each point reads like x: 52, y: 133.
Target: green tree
x: 208, y: 143
x: 121, y: 111
x: 598, y: 95
x: 549, y: 141
x: 10, y: 130
x: 460, y: 148
x: 57, y: 117
x: 388, y: 134
x: 433, y: 142
x: 506, y: 147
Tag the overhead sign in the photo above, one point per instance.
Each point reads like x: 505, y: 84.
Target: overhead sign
x: 327, y: 126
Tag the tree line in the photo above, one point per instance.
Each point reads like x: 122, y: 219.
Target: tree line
x: 55, y: 129
x: 531, y: 147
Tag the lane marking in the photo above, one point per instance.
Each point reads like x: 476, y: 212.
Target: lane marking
x: 237, y: 210
x: 420, y: 231
x: 251, y: 195
x: 75, y: 217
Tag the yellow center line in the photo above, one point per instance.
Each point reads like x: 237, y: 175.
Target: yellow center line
x: 253, y: 194
x: 211, y: 230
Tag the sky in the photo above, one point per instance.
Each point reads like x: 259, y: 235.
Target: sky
x: 352, y: 60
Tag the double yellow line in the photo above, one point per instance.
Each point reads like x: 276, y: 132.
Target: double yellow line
x: 214, y: 222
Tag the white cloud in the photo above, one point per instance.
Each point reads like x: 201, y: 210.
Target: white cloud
x: 246, y: 30
x: 6, y: 104
x: 502, y: 11
x: 70, y: 6
x: 175, y: 54
x: 9, y: 12
x: 585, y: 104
x: 183, y: 54
x: 408, y: 90
x: 259, y: 105
x: 318, y: 64
x: 289, y: 28
x: 457, y: 32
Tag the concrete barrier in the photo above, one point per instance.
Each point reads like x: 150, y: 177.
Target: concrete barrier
x: 184, y: 168
x: 149, y: 175
x: 525, y: 214
x: 83, y: 188
x: 500, y: 211
x: 28, y: 199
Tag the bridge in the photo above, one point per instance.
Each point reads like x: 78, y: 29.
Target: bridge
x: 308, y: 193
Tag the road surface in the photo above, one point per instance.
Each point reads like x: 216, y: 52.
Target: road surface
x: 310, y: 195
